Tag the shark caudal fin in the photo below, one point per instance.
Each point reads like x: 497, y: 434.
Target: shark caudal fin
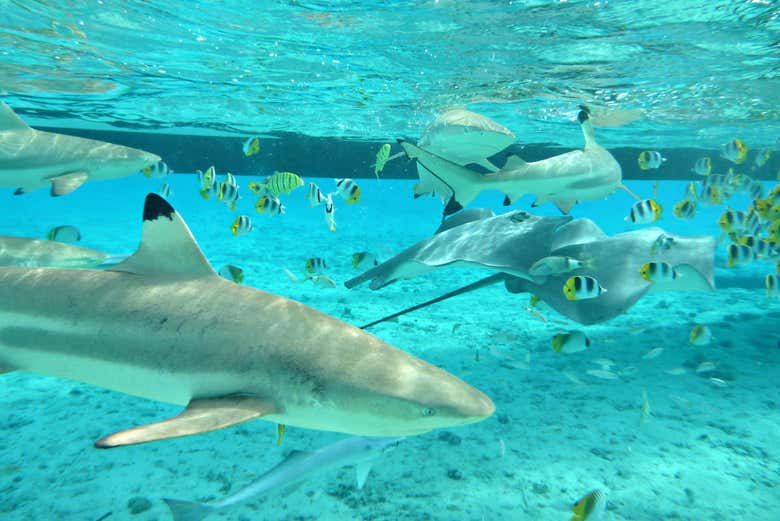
x: 167, y: 247
x: 455, y: 185
x: 188, y: 510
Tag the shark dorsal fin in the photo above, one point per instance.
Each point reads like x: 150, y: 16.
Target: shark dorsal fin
x: 587, y: 128
x: 9, y: 120
x: 513, y: 162
x: 167, y: 247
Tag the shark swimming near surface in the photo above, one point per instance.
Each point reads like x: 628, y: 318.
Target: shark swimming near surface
x: 295, y: 468
x: 575, y: 176
x: 31, y: 159
x: 164, y: 326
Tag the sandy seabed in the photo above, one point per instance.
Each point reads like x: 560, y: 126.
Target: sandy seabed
x: 710, y: 448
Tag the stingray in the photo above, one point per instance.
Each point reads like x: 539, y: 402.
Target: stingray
x: 566, y: 179
x: 509, y: 244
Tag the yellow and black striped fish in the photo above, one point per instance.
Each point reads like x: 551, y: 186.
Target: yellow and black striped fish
x: 349, y: 190
x: 270, y: 205
x: 316, y: 265
x: 582, y: 287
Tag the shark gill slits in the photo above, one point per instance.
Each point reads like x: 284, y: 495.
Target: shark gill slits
x: 155, y: 206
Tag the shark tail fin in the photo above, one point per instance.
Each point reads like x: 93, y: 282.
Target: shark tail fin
x: 188, y: 510
x: 455, y: 185
x: 167, y: 246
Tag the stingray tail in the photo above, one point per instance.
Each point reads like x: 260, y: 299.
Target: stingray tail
x: 188, y: 510
x: 456, y: 184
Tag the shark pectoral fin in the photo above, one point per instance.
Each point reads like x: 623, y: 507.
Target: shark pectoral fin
x: 66, y: 183
x: 513, y: 162
x: 362, y: 470
x: 565, y: 205
x: 201, y: 415
x: 167, y: 247
x: 188, y: 510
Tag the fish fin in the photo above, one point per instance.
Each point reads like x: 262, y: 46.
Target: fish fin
x: 452, y: 206
x: 188, y: 510
x: 507, y: 201
x: 629, y: 191
x: 66, y: 183
x: 688, y: 279
x: 10, y: 121
x: 201, y: 415
x: 167, y: 246
x: 362, y: 470
x: 487, y: 165
x: 587, y: 127
x: 565, y: 205
x: 513, y: 162
x: 452, y: 181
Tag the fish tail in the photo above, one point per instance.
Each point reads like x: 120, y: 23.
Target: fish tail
x: 188, y: 510
x: 456, y: 185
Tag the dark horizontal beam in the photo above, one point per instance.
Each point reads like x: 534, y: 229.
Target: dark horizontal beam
x: 335, y: 157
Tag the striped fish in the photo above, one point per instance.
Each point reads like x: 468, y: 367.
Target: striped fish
x: 349, y: 190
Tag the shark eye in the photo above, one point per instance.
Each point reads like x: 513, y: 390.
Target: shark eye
x: 429, y: 412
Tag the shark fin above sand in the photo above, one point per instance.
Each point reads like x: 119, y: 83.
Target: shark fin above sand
x: 362, y: 470
x: 10, y: 121
x: 201, y: 415
x: 167, y: 247
x: 66, y: 183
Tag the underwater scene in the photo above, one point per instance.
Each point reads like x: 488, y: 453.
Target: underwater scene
x: 413, y: 260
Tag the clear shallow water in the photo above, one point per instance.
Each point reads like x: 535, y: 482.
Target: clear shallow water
x: 701, y: 71
x: 706, y: 451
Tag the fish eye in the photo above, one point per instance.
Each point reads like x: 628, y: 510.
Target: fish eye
x: 428, y: 412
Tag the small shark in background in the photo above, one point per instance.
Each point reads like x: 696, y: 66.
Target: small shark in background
x: 580, y: 175
x: 31, y: 159
x: 37, y: 253
x: 164, y: 326
x: 297, y: 467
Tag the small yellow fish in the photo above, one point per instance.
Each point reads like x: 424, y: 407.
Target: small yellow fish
x: 230, y: 272
x: 316, y: 265
x: 650, y: 159
x: 315, y: 196
x: 279, y: 433
x: 762, y: 158
x: 241, y: 226
x: 644, y: 212
x: 700, y: 335
x: 590, y: 507
x: 363, y: 258
x: 735, y: 151
x: 738, y: 255
x: 685, y: 210
x: 381, y: 158
x: 658, y: 272
x: 581, y: 287
x: 349, y: 190
x: 703, y: 166
x: 571, y: 342
x: 251, y: 146
x: 731, y: 221
x: 64, y: 233
x: 711, y: 195
x: 208, y: 182
x: 157, y: 170
x: 322, y: 280
x: 662, y: 244
x: 270, y: 205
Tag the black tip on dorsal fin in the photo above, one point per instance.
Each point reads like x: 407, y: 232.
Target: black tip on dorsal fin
x: 584, y: 114
x: 507, y: 201
x: 155, y: 206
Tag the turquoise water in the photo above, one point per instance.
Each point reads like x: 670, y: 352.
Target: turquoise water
x: 681, y: 432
